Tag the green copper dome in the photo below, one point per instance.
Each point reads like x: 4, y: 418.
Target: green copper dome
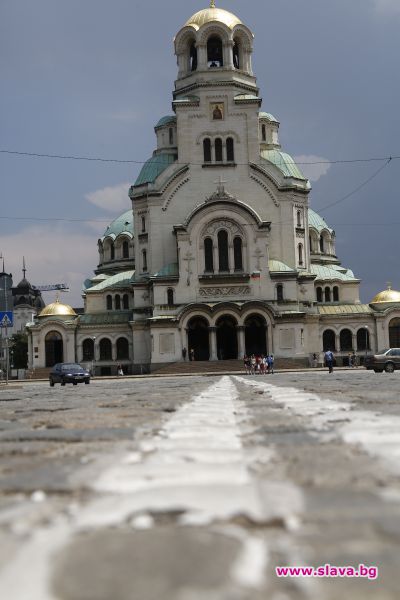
x: 317, y: 222
x: 284, y: 162
x: 122, y: 224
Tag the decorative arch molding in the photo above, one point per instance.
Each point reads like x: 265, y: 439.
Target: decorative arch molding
x: 214, y: 134
x: 212, y: 227
x: 266, y: 188
x: 210, y: 29
x: 182, y: 39
x: 223, y: 203
x: 245, y: 36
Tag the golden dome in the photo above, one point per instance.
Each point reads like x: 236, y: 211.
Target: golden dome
x: 213, y: 14
x: 57, y: 309
x: 388, y: 295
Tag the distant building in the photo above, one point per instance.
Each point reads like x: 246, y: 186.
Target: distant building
x: 221, y: 253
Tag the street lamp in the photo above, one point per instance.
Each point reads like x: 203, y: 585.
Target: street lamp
x: 366, y: 342
x: 93, y: 355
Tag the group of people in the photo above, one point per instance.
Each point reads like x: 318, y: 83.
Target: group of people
x: 259, y: 364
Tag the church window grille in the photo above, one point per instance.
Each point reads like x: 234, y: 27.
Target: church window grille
x: 170, y: 297
x: 230, y: 152
x: 122, y: 348
x: 109, y: 302
x: 237, y: 253
x: 117, y: 302
x: 208, y: 255
x: 327, y: 294
x: 105, y: 349
x: 236, y: 55
x: 279, y: 292
x: 319, y: 294
x: 207, y: 149
x: 125, y: 250
x: 218, y: 150
x: 125, y: 301
x: 171, y: 136
x: 263, y: 133
x: 144, y: 260
x: 223, y: 254
x: 346, y: 340
x: 214, y: 52
x: 394, y: 334
x: 328, y: 340
x: 300, y: 253
x: 193, y: 57
x: 88, y: 349
x: 336, y: 294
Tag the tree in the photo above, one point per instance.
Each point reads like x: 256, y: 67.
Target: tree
x: 19, y: 350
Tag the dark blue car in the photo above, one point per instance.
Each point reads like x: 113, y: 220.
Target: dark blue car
x: 68, y: 373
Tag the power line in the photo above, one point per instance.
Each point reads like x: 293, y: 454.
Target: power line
x: 142, y: 162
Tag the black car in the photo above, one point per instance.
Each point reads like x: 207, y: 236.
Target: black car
x: 68, y: 373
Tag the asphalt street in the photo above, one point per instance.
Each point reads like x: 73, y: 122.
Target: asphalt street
x: 195, y: 488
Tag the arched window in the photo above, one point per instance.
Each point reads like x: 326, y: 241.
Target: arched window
x: 171, y: 136
x: 230, y: 152
x: 193, y: 57
x: 125, y: 301
x: 329, y: 340
x: 125, y: 250
x: 109, y: 302
x: 321, y: 244
x: 207, y: 149
x: 319, y: 294
x: 336, y: 294
x: 112, y: 251
x: 346, y: 340
x: 394, y: 333
x: 143, y: 224
x: 300, y: 253
x: 88, y: 349
x: 279, y: 292
x: 117, y: 302
x: 214, y: 52
x: 363, y: 339
x: 170, y: 297
x: 298, y: 218
x: 122, y: 348
x: 236, y: 55
x: 237, y: 254
x: 144, y: 260
x: 105, y: 349
x: 327, y: 294
x: 208, y: 255
x: 263, y: 133
x: 223, y: 250
x: 218, y: 150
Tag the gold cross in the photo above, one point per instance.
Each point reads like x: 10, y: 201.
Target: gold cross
x: 212, y: 4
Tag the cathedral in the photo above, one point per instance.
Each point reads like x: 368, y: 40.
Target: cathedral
x: 220, y: 254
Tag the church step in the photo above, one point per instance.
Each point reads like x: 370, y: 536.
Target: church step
x: 208, y: 366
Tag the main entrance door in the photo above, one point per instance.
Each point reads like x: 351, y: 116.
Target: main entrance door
x: 227, y: 344
x: 54, y: 348
x: 198, y: 338
x: 255, y: 335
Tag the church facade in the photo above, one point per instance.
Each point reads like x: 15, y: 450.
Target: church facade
x: 220, y: 254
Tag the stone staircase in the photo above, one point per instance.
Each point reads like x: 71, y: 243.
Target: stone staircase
x: 223, y: 366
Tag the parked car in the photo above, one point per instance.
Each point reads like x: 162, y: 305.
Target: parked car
x: 68, y: 373
x: 385, y: 360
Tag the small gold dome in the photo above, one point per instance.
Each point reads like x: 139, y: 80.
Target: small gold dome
x: 58, y: 309
x: 213, y: 14
x: 388, y: 295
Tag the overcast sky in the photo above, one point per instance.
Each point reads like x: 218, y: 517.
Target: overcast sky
x: 92, y: 77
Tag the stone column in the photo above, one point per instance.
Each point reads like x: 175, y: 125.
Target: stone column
x: 228, y: 54
x: 213, y: 343
x: 241, y: 340
x: 337, y: 342
x: 231, y: 259
x: 216, y: 258
x: 354, y: 341
x: 201, y: 57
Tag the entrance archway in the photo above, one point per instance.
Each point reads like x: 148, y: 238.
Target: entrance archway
x: 394, y: 333
x: 227, y: 344
x: 255, y: 333
x: 54, y: 348
x: 198, y: 338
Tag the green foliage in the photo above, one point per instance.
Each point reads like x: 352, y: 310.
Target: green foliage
x: 19, y: 351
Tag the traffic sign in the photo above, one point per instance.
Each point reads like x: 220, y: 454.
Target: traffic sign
x: 6, y: 319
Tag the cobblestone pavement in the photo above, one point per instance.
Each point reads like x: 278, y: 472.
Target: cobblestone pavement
x: 197, y: 488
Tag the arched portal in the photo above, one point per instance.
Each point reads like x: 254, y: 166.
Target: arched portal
x: 54, y: 348
x: 394, y: 333
x: 198, y: 338
x: 255, y: 334
x: 227, y: 344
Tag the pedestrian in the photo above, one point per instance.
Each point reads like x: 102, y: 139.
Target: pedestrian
x: 246, y: 362
x: 191, y: 354
x: 353, y: 360
x: 350, y: 357
x: 252, y: 364
x: 271, y: 364
x: 315, y: 360
x: 329, y: 358
x: 120, y: 370
x: 184, y: 351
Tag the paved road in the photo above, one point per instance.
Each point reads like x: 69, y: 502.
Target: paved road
x: 198, y: 488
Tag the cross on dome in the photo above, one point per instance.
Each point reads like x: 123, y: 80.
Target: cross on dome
x: 212, y: 4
